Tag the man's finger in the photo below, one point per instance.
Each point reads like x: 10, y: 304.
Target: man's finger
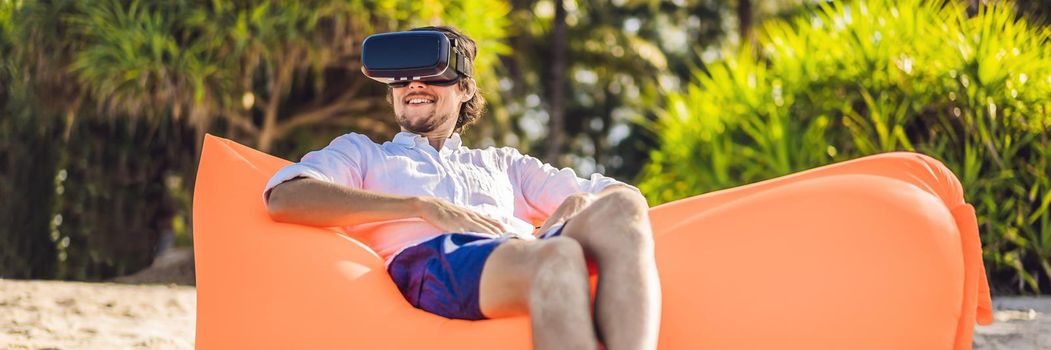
x: 485, y: 221
x: 496, y: 229
x: 499, y: 225
x: 483, y: 226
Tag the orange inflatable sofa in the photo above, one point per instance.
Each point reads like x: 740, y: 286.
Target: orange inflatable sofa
x: 879, y: 252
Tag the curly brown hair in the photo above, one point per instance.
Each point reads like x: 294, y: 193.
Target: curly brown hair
x: 471, y: 110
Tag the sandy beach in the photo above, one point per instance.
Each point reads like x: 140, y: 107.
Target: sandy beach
x: 73, y: 315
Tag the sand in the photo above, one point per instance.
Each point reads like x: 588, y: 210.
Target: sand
x: 73, y: 315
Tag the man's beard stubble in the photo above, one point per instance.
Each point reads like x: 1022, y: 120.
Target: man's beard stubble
x: 422, y: 125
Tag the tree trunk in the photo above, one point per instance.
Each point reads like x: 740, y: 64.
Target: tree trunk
x: 266, y: 134
x: 601, y: 140
x: 556, y: 127
x: 744, y: 19
x: 280, y: 77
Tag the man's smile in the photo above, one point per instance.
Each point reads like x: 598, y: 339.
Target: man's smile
x: 418, y: 99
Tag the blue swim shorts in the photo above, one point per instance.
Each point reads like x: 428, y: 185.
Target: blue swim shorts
x: 442, y: 275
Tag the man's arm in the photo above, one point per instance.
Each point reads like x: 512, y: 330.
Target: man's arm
x: 318, y: 203
x: 540, y: 188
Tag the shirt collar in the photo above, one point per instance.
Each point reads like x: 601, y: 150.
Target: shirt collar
x: 412, y: 140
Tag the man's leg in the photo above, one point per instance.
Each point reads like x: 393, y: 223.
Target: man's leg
x: 548, y: 279
x: 615, y: 233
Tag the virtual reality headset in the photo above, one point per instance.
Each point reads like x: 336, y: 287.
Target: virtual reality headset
x: 399, y: 58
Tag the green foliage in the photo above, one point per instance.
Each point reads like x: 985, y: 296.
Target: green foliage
x: 28, y: 161
x: 115, y: 198
x: 292, y: 63
x: 611, y: 76
x: 6, y: 44
x: 622, y: 57
x: 871, y: 76
x: 134, y: 60
x: 113, y: 97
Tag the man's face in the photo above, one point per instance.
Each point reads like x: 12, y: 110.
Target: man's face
x: 422, y: 108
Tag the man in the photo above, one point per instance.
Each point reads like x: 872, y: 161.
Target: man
x: 455, y: 224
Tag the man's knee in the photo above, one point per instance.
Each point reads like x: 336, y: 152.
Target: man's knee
x: 559, y: 262
x: 559, y: 251
x: 616, y: 224
x: 619, y: 206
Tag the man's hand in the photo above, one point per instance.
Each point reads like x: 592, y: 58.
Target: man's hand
x: 449, y: 217
x: 573, y: 205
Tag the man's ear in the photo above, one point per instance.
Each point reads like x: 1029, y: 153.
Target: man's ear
x: 470, y: 90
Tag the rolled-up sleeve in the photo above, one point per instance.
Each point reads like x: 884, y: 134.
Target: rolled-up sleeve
x: 540, y: 188
x: 341, y: 162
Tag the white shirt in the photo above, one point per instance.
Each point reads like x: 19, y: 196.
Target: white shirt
x: 518, y: 190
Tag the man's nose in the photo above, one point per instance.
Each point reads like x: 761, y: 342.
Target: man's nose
x: 416, y: 84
